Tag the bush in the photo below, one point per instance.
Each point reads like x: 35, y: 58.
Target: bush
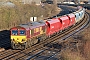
x: 69, y: 55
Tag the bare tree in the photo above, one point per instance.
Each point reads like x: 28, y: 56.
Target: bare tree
x: 55, y: 3
x: 76, y: 1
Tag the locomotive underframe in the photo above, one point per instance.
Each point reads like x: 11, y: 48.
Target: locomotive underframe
x: 29, y: 42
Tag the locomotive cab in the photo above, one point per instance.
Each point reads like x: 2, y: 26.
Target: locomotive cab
x: 18, y: 35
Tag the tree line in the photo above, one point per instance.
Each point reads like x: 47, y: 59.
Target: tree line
x: 21, y: 13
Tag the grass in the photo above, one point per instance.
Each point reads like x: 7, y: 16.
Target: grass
x: 69, y: 55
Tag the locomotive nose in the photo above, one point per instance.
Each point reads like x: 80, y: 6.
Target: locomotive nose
x: 19, y: 39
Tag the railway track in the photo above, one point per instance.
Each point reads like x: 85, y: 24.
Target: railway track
x: 49, y: 55
x: 36, y: 50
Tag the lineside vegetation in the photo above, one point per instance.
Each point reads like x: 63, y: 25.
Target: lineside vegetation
x: 21, y: 13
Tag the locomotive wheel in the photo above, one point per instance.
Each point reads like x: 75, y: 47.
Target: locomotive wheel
x: 24, y: 45
x: 13, y: 45
x: 28, y: 43
x: 35, y: 41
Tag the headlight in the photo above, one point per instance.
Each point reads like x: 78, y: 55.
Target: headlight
x: 23, y: 39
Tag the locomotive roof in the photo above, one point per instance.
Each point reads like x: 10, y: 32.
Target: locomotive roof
x: 32, y: 25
